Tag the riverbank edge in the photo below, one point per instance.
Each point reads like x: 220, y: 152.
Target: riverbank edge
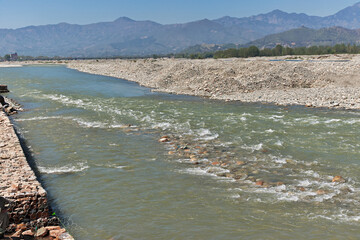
x: 328, y: 89
x: 29, y: 213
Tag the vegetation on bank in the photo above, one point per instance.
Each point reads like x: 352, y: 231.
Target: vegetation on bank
x: 279, y: 50
x: 245, y: 52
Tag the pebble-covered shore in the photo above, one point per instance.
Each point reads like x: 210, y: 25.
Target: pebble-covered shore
x: 315, y: 81
x: 29, y: 213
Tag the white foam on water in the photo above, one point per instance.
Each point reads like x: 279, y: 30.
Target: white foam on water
x: 206, y: 134
x: 352, y: 121
x: 64, y: 99
x: 208, y: 171
x: 63, y: 169
x: 269, y: 131
x: 254, y: 148
x: 312, y: 173
x: 121, y: 126
x: 230, y: 119
x: 305, y: 183
x: 88, y: 124
x: 278, y: 143
x: 345, y: 216
x: 114, y: 166
x: 79, y: 121
x: 235, y: 196
x: 332, y: 120
x: 276, y: 116
x: 196, y: 171
x: 39, y: 118
x: 163, y: 125
x: 243, y: 119
x: 310, y: 120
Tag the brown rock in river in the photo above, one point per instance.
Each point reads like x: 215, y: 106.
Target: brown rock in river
x: 163, y: 139
x: 320, y: 192
x: 259, y: 183
x: 301, y: 189
x: 338, y: 179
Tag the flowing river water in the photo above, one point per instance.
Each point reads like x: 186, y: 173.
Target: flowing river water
x: 94, y: 141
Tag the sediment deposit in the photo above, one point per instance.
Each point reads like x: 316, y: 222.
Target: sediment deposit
x: 314, y: 81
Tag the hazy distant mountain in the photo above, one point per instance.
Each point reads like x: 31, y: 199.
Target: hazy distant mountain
x: 304, y: 37
x: 125, y: 36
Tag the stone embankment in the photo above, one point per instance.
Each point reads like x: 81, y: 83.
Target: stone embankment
x: 3, y: 89
x: 314, y: 81
x: 29, y: 209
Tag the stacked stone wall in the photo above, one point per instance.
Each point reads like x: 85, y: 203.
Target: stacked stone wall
x: 18, y: 182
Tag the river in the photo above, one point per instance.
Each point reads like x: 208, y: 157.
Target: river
x: 94, y: 141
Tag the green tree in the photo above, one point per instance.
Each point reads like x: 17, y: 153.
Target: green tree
x: 253, y: 51
x: 340, y: 48
x: 7, y: 57
x: 278, y: 50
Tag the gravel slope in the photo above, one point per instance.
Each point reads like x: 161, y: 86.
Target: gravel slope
x: 318, y: 81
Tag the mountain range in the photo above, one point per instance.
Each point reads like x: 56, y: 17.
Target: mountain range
x: 304, y: 37
x: 127, y: 37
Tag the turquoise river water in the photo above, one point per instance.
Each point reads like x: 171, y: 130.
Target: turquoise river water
x: 94, y: 141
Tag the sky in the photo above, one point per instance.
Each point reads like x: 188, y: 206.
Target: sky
x: 21, y: 13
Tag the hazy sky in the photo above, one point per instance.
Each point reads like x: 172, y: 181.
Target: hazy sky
x: 20, y: 13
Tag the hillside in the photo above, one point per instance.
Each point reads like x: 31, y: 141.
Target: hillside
x: 304, y: 37
x: 127, y: 37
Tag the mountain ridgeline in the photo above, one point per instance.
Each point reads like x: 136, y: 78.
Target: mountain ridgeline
x: 126, y: 37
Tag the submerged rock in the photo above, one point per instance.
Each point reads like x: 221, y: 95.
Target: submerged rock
x: 164, y: 139
x: 259, y: 183
x: 338, y: 179
x: 320, y: 192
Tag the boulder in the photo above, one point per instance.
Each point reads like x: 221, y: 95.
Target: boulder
x: 21, y: 226
x: 56, y: 233
x: 53, y: 228
x: 65, y: 236
x: 42, y: 232
x: 28, y: 233
x: 17, y: 234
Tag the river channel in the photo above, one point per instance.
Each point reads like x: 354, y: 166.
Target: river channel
x: 94, y: 140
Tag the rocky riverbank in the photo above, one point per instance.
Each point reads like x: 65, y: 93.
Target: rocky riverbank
x: 29, y: 213
x: 314, y: 81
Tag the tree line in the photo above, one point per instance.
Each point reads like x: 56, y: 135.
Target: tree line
x: 245, y: 52
x: 279, y: 50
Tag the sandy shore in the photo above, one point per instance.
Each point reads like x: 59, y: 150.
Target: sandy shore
x: 317, y: 81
